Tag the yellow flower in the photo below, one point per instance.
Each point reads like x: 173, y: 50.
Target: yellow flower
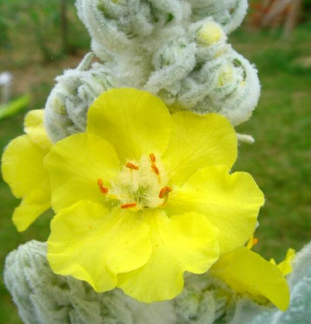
x: 247, y: 272
x: 144, y: 196
x: 23, y: 170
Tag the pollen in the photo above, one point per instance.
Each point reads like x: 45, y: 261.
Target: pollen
x: 132, y: 166
x: 130, y: 205
x: 164, y: 192
x: 103, y: 189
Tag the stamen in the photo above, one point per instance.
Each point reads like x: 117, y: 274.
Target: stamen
x: 131, y: 166
x: 103, y: 189
x: 152, y: 158
x: 251, y: 242
x: 255, y: 241
x: 164, y: 192
x: 123, y: 206
x: 155, y: 169
x: 153, y: 165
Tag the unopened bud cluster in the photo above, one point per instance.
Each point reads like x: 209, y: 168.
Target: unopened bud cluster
x: 175, y: 49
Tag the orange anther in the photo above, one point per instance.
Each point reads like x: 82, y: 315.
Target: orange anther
x: 103, y: 189
x: 131, y: 166
x: 153, y: 165
x: 164, y: 192
x: 255, y: 241
x: 123, y: 206
x: 152, y: 158
x: 155, y: 169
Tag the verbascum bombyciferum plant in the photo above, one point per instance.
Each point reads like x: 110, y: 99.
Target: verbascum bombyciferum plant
x: 134, y: 154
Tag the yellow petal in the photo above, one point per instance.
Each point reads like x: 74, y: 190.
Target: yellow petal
x: 247, y: 272
x: 27, y: 212
x: 22, y: 167
x: 76, y: 164
x: 135, y: 122
x: 197, y: 142
x: 91, y: 243
x: 273, y: 261
x: 23, y: 170
x: 229, y: 201
x: 180, y: 243
x: 34, y: 128
x: 286, y: 265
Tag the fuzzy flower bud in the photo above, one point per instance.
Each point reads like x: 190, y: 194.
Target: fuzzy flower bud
x: 229, y: 13
x: 210, y: 33
x: 66, y: 107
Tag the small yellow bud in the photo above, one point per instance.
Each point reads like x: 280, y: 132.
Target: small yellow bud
x: 226, y: 75
x: 210, y: 33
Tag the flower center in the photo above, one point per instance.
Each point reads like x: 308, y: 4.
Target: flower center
x: 140, y: 184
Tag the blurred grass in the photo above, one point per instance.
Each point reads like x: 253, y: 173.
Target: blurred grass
x: 280, y: 160
x: 32, y: 31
